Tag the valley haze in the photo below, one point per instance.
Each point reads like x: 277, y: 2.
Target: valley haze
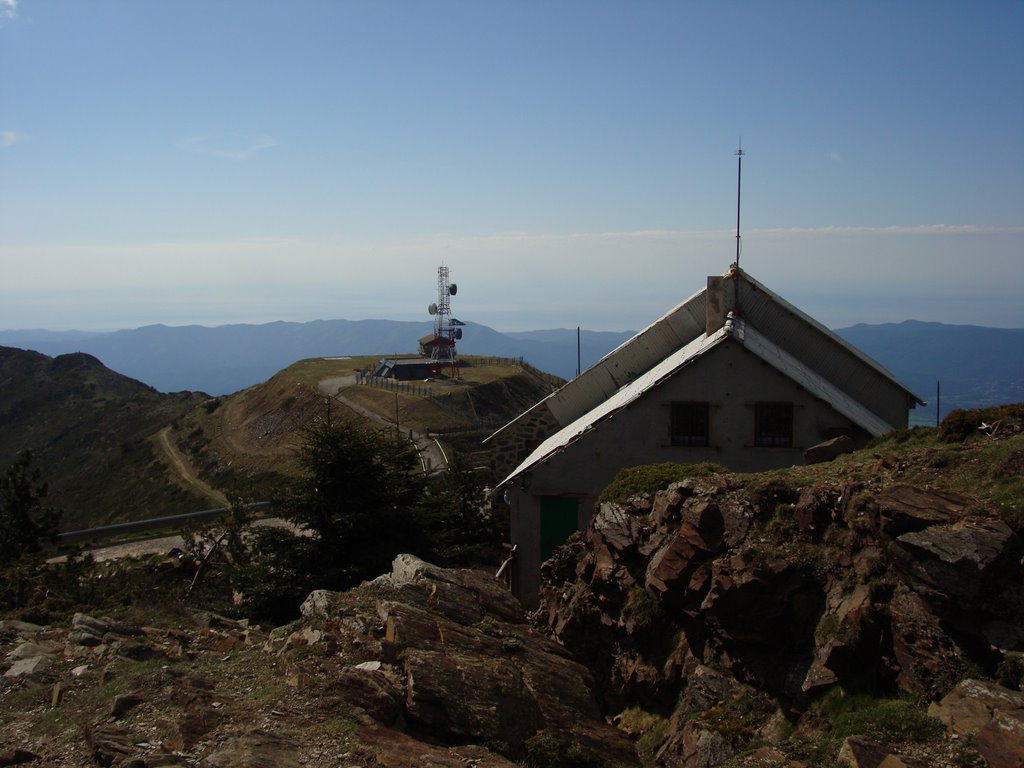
x: 977, y: 366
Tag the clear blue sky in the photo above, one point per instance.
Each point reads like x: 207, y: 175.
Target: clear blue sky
x: 570, y: 162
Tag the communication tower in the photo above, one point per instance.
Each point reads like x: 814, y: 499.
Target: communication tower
x: 447, y: 330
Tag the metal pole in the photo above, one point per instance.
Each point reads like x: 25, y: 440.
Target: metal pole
x: 739, y: 181
x: 577, y: 351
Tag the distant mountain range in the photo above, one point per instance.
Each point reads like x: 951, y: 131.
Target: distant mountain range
x: 975, y: 365
x: 227, y: 358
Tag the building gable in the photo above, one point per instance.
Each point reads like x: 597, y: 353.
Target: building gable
x: 850, y: 374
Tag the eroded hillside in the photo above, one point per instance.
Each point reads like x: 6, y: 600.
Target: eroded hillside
x: 94, y: 435
x: 246, y: 442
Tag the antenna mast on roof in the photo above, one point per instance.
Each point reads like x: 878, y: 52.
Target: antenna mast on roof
x: 739, y: 182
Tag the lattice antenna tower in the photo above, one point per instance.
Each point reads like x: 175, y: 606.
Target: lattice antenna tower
x: 445, y: 332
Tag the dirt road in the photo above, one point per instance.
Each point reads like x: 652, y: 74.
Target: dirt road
x: 431, y: 454
x: 185, y: 470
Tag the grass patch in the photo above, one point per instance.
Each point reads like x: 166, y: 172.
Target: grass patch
x: 650, y: 478
x: 647, y: 728
x: 739, y: 718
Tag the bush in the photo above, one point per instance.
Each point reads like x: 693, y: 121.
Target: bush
x: 26, y: 522
x: 960, y: 424
x: 893, y: 721
x: 360, y: 500
x: 460, y: 527
x: 651, y: 478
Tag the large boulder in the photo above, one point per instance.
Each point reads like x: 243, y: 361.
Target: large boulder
x: 466, y: 668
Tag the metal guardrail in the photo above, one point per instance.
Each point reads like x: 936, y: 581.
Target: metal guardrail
x: 152, y: 524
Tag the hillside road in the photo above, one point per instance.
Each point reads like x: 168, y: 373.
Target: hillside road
x: 431, y: 454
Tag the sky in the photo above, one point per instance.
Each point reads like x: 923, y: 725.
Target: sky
x: 572, y: 162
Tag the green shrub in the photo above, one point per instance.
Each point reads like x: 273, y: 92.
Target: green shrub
x: 647, y: 728
x: 544, y: 750
x: 893, y: 721
x: 960, y: 424
x: 26, y: 521
x: 650, y: 478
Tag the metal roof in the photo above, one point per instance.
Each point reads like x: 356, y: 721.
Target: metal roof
x: 653, y: 344
x: 830, y: 355
x: 818, y: 386
x: 619, y: 400
x: 753, y: 341
x: 806, y: 340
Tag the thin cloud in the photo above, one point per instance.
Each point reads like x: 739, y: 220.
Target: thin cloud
x: 237, y: 148
x: 10, y: 138
x: 8, y: 9
x: 835, y: 157
x: 920, y: 229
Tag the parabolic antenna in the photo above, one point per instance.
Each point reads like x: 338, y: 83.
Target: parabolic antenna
x: 453, y: 289
x: 432, y: 309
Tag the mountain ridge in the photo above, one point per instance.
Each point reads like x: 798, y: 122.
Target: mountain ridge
x: 976, y: 365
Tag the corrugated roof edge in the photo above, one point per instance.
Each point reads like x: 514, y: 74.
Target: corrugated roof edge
x: 793, y: 369
x: 831, y: 334
x: 631, y: 340
x: 623, y: 398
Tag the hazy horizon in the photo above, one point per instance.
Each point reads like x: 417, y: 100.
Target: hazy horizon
x: 572, y: 163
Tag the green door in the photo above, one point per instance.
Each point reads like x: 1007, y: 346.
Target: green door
x: 557, y: 522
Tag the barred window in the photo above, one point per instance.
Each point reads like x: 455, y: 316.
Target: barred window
x: 773, y: 425
x: 690, y: 423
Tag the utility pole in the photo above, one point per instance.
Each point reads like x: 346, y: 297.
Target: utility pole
x: 578, y: 352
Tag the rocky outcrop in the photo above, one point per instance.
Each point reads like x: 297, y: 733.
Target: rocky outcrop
x: 421, y: 667
x: 788, y: 593
x: 989, y: 713
x: 467, y: 668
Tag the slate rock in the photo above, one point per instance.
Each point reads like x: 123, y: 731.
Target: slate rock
x: 124, y: 703
x: 17, y: 757
x: 828, y: 450
x: 110, y: 744
x: 29, y: 650
x: 11, y: 629
x: 256, y: 749
x: 30, y: 667
x: 990, y: 712
x: 693, y: 745
x: 374, y: 692
x: 904, y: 508
x: 859, y: 752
